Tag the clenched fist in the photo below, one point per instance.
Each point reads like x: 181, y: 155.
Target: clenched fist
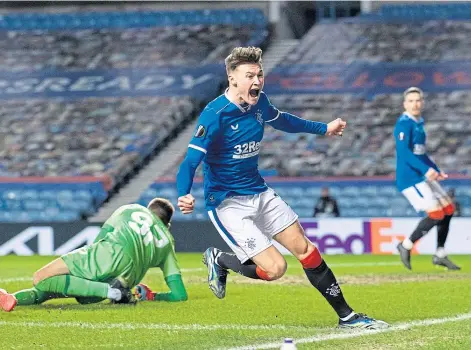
x: 186, y: 203
x: 336, y: 127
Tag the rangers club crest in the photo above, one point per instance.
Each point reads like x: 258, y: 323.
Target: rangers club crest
x: 258, y: 115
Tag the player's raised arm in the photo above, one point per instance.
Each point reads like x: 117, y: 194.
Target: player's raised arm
x: 290, y: 123
x: 206, y: 130
x: 402, y: 135
x: 185, y: 177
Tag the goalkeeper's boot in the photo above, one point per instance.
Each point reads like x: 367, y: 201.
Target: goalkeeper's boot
x: 445, y: 262
x: 361, y: 321
x: 7, y: 301
x: 405, y: 255
x: 143, y: 293
x: 126, y: 295
x: 217, y: 276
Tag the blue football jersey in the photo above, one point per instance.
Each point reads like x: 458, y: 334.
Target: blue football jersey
x: 412, y: 161
x: 230, y: 135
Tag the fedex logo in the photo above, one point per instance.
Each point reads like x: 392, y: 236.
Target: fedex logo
x: 355, y: 236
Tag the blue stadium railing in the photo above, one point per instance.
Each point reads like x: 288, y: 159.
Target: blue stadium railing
x: 87, y: 20
x: 404, y: 12
x: 444, y: 10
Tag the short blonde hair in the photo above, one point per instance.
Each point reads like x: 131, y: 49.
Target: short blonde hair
x: 412, y: 90
x: 243, y: 55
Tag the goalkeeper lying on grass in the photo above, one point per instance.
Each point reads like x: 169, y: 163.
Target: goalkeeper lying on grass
x: 130, y: 242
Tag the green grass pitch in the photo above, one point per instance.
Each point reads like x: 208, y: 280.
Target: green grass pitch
x: 421, y: 305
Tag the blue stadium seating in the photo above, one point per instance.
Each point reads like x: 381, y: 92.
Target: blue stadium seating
x: 374, y: 198
x: 49, y: 202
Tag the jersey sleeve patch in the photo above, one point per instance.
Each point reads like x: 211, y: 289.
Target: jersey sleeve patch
x: 200, y: 131
x: 401, y: 136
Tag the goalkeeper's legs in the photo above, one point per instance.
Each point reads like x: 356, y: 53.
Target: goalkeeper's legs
x: 55, y: 278
x: 34, y: 296
x: 63, y: 286
x: 7, y: 301
x: 88, y: 300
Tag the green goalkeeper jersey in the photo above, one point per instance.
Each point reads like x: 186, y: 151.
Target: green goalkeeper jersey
x: 145, y: 239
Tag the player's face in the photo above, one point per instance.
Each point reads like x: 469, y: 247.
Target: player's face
x: 413, y: 104
x: 248, y: 79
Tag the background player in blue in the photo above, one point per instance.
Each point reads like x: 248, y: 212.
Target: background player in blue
x: 245, y: 211
x: 417, y: 178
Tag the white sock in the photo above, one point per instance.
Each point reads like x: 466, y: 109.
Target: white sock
x: 440, y: 252
x: 114, y: 294
x: 407, y: 243
x: 346, y: 318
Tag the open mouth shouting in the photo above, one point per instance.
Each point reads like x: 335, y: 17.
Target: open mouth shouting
x: 254, y: 94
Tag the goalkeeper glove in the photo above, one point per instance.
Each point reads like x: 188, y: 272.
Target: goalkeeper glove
x: 142, y: 292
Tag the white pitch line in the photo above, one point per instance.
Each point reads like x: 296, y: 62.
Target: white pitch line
x: 193, y: 269
x: 359, y: 333
x: 197, y: 269
x: 215, y: 327
x: 154, y: 326
x: 16, y: 279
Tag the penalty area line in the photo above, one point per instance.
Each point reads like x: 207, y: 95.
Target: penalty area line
x: 359, y: 333
x: 152, y: 326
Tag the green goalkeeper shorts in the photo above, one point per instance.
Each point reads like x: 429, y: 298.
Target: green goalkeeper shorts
x: 101, y: 262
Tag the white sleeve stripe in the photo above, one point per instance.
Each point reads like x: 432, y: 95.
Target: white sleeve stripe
x: 197, y: 148
x: 268, y: 121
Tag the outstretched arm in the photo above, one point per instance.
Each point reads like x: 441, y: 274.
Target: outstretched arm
x: 293, y: 124
x: 290, y: 123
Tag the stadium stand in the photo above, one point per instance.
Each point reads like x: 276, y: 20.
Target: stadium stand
x: 118, y: 48
x: 367, y: 149
x: 40, y: 137
x: 359, y: 40
x: 70, y: 140
x: 86, y: 137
